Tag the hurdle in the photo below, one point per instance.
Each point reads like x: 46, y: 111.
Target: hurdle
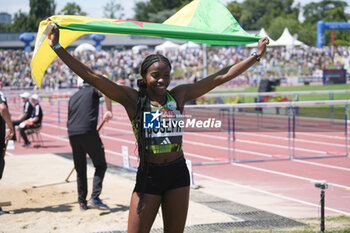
x: 59, y: 114
x: 201, y: 112
x: 292, y: 120
x: 331, y: 104
x: 126, y: 160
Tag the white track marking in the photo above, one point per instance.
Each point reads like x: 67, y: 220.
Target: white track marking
x: 289, y: 175
x: 242, y: 186
x: 321, y: 164
x: 269, y: 193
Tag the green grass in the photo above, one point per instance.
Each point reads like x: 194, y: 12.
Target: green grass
x: 297, y: 231
x: 339, y: 224
x: 305, y: 88
x: 323, y: 112
x: 313, y: 97
x: 311, y: 111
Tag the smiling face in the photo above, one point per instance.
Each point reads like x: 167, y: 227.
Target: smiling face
x: 158, y: 78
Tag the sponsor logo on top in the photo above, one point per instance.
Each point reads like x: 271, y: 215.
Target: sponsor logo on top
x: 151, y: 120
x: 168, y: 119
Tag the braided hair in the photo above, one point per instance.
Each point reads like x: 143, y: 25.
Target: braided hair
x: 143, y: 104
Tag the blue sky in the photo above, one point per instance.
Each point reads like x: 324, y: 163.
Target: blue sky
x: 91, y: 7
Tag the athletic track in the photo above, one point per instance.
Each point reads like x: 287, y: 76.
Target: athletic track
x: 285, y: 186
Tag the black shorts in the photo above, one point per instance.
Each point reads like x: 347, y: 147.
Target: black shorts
x: 164, y: 177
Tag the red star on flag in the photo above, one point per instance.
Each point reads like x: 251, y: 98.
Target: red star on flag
x: 131, y: 21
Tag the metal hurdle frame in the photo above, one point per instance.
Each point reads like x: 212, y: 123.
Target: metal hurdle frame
x: 296, y: 94
x: 331, y: 103
x: 291, y: 128
x: 229, y: 147
x: 261, y: 105
x: 59, y: 115
x: 232, y: 129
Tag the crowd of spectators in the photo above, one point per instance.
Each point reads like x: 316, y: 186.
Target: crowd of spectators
x: 286, y: 64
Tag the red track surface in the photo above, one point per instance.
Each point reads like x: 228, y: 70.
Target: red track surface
x: 289, y: 181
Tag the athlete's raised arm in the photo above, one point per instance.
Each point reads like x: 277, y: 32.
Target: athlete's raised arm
x: 192, y: 91
x: 122, y: 94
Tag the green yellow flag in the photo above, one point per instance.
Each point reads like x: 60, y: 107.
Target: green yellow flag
x: 204, y: 21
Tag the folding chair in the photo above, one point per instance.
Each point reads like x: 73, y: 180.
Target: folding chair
x: 36, y: 136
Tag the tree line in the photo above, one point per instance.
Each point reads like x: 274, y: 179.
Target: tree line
x: 272, y: 15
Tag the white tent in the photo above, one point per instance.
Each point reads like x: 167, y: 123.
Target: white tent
x: 137, y: 48
x: 263, y: 33
x: 84, y: 47
x: 286, y: 39
x: 189, y: 46
x: 167, y: 46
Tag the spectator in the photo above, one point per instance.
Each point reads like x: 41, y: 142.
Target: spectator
x: 34, y: 122
x: 280, y: 61
x: 26, y: 112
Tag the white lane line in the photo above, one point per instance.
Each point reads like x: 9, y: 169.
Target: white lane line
x: 279, y: 146
x: 108, y: 151
x: 225, y: 148
x: 55, y: 137
x: 314, y: 134
x: 63, y: 126
x: 269, y: 193
x: 295, y: 160
x: 103, y: 136
x: 234, y: 184
x: 274, y: 137
x: 302, y: 140
x: 289, y: 175
x: 120, y: 154
x: 185, y: 141
x: 322, y: 135
x: 207, y: 145
x: 8, y: 153
x: 115, y: 122
x: 321, y: 164
x: 199, y: 156
x: 132, y: 156
x: 199, y: 144
x: 297, y: 139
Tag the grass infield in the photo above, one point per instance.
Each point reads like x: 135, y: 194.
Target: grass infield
x: 339, y: 224
x: 251, y: 99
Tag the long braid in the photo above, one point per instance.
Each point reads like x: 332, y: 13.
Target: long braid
x: 143, y: 104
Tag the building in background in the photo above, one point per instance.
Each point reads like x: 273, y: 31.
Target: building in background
x: 5, y: 18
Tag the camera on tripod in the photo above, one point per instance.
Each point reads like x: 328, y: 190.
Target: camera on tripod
x: 321, y: 185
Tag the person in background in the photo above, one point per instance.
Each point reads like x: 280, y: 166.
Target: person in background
x: 26, y: 112
x: 5, y: 117
x: 33, y: 122
x: 83, y: 109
